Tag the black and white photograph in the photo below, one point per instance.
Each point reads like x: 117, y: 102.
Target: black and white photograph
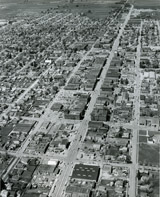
x: 79, y: 98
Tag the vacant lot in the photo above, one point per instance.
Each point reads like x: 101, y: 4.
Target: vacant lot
x: 149, y: 154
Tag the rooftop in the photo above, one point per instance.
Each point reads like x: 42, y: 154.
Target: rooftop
x: 88, y: 172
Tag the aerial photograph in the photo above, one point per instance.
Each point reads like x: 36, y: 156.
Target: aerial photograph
x: 79, y: 98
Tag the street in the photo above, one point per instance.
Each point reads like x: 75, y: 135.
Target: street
x: 84, y: 124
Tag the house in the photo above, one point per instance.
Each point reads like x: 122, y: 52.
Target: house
x: 126, y: 135
x: 42, y: 147
x: 64, y: 144
x: 152, y: 75
x: 119, y: 188
x: 156, y: 139
x: 96, y: 146
x: 4, y: 193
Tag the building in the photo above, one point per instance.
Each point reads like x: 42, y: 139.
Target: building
x: 86, y: 172
x: 73, y: 191
x: 2, y: 185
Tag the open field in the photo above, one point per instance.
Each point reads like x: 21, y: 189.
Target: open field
x: 149, y: 154
x: 91, y: 10
x: 12, y: 8
x: 98, y: 8
x: 153, y: 4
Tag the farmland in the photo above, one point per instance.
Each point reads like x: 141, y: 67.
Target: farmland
x: 93, y: 9
x: 16, y: 8
x: 152, y: 4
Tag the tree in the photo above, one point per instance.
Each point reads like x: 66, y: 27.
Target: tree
x: 51, y: 79
x: 126, y: 81
x: 139, y: 175
x: 128, y: 159
x: 121, y: 81
x: 5, y: 156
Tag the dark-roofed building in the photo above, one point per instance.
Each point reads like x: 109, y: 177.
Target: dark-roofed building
x: 32, y: 194
x: 86, y: 172
x: 2, y: 184
x: 24, y: 128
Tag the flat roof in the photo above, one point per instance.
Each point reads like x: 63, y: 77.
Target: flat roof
x: 25, y: 128
x: 77, y: 189
x: 87, y: 172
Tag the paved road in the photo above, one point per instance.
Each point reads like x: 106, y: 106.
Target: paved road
x: 48, y: 109
x: 84, y: 123
x: 36, y: 81
x: 134, y: 168
x: 10, y: 168
x: 33, y: 85
x: 23, y: 22
x: 158, y: 25
x: 57, y: 192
